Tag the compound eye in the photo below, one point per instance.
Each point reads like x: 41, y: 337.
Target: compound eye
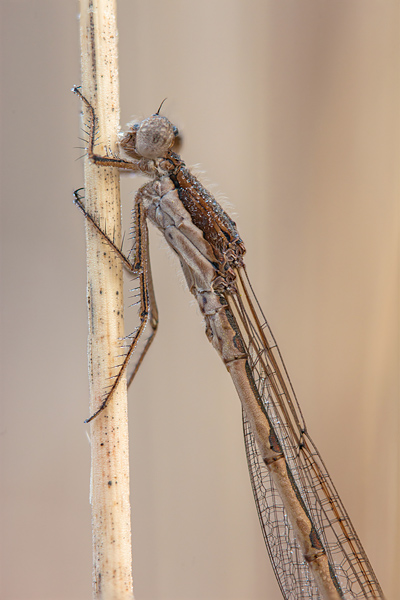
x: 155, y: 137
x: 175, y: 131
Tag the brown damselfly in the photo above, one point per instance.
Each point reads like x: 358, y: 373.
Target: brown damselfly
x: 313, y: 547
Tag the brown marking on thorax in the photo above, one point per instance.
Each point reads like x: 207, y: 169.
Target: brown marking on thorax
x: 218, y: 229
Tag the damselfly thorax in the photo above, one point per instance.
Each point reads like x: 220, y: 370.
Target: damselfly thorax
x: 176, y: 200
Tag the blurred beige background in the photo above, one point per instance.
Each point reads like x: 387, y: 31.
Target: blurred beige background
x: 291, y: 107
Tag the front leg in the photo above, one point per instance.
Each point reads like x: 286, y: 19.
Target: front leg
x: 105, y: 161
x: 139, y: 267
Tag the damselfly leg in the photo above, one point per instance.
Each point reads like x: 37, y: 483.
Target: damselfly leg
x: 139, y: 268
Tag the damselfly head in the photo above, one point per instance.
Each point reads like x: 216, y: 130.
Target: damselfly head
x: 151, y: 138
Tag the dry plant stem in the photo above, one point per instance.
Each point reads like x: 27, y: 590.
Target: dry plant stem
x: 111, y: 524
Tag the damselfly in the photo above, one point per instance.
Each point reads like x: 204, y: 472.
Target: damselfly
x: 313, y: 547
